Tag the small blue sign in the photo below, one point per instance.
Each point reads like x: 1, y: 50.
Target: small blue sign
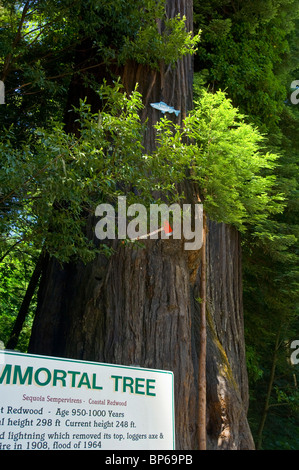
x: 164, y: 108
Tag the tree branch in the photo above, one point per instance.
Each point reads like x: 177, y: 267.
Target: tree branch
x: 23, y: 312
x: 8, y: 59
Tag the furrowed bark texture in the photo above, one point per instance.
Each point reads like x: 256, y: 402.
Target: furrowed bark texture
x: 227, y: 385
x: 139, y: 307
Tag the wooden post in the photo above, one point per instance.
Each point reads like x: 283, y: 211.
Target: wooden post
x: 202, y: 394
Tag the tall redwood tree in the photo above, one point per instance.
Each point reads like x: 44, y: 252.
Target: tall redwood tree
x: 139, y: 307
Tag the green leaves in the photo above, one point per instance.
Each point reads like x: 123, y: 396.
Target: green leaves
x: 62, y: 178
x: 154, y: 44
x: 234, y: 175
x: 16, y: 270
x: 246, y: 51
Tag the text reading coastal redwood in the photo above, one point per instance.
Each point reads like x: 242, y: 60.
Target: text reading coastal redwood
x: 54, y: 403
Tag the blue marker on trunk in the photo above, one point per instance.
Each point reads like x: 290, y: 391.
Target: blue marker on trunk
x: 164, y: 108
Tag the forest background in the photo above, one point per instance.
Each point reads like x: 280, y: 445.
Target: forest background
x: 250, y: 51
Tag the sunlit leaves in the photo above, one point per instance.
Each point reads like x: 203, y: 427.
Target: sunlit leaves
x: 61, y: 178
x: 226, y: 159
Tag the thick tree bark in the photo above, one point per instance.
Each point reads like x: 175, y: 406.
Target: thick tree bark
x: 227, y: 384
x: 139, y: 307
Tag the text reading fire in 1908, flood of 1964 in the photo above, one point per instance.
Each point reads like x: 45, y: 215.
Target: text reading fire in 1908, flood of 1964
x: 59, y: 404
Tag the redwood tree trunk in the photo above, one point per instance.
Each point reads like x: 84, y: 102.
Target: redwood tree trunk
x: 139, y: 307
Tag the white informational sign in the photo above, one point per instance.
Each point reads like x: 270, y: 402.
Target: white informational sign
x: 62, y: 404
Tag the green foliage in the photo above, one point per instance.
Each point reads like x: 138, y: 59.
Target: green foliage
x: 226, y: 160
x: 246, y: 50
x: 51, y: 181
x: 61, y: 178
x: 170, y: 45
x: 16, y: 270
x: 250, y: 49
x: 38, y: 46
x: 253, y: 364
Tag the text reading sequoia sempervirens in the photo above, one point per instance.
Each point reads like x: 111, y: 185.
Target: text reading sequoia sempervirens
x: 56, y: 404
